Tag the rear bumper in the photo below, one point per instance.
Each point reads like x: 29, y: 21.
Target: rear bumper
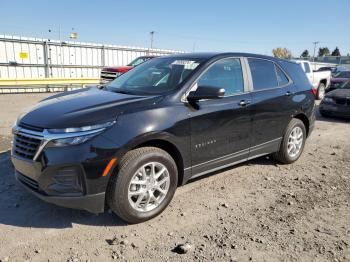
x: 94, y: 203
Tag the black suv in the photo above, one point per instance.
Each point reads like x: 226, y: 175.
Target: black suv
x: 128, y: 145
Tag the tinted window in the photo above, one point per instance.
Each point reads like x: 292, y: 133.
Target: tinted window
x: 343, y: 74
x: 263, y: 73
x: 307, y: 68
x: 227, y: 74
x: 281, y: 77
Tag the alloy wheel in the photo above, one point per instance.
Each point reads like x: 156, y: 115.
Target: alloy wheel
x: 148, y: 187
x: 295, y: 141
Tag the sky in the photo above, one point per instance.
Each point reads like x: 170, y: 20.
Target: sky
x: 221, y: 25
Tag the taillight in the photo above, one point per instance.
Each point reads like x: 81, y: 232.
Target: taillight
x: 314, y: 91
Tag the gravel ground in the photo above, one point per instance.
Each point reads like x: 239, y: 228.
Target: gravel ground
x: 257, y: 211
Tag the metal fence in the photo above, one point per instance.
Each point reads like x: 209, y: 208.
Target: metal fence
x: 33, y: 58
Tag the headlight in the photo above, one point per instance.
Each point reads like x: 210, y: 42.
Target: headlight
x: 328, y: 100
x: 81, y: 129
x: 76, y: 135
x: 70, y: 141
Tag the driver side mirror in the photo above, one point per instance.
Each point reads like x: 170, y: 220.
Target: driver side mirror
x: 206, y: 92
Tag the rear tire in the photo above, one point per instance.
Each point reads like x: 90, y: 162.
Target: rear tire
x: 321, y: 91
x: 135, y: 178
x: 293, y: 142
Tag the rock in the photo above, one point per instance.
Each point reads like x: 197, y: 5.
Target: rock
x: 113, y: 241
x: 183, y: 248
x: 124, y: 242
x: 38, y: 251
x: 333, y: 154
x: 224, y: 205
x: 5, y: 259
x: 133, y: 245
x: 324, y: 166
x: 170, y: 234
x: 16, y: 205
x: 183, y: 214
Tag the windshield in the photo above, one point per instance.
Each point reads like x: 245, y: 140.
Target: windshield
x: 138, y: 61
x: 154, y: 77
x: 345, y: 74
x: 346, y: 85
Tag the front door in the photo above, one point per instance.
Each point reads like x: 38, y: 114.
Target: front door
x: 221, y: 128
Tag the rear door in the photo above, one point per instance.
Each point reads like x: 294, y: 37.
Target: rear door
x: 221, y: 128
x: 272, y: 105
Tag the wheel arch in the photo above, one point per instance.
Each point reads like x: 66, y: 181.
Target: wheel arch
x: 324, y: 81
x: 171, y: 149
x: 302, y: 117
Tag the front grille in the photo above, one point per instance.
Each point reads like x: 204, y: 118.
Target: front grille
x: 343, y: 101
x: 25, y: 146
x: 106, y: 75
x: 28, y: 181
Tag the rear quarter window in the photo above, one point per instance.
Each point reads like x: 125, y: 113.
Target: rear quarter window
x: 297, y: 75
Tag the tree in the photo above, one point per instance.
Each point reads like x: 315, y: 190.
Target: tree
x: 336, y: 52
x: 305, y: 54
x: 282, y: 53
x: 323, y: 51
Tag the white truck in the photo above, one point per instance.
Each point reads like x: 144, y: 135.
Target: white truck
x: 320, y: 80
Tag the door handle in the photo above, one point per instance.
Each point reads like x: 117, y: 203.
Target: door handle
x: 288, y: 93
x: 244, y: 103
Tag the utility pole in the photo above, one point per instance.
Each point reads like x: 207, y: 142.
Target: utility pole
x: 315, y: 43
x: 152, y: 35
x: 194, y: 46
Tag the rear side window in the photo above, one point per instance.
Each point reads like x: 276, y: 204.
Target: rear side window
x: 307, y: 67
x: 225, y: 73
x: 263, y: 74
x: 282, y: 79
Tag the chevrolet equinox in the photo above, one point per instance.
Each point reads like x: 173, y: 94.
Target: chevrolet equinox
x: 128, y: 145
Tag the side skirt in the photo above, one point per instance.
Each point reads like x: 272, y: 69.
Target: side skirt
x: 232, y: 159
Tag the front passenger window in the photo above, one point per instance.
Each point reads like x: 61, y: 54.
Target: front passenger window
x: 225, y: 73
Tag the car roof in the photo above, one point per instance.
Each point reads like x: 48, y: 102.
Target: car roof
x: 211, y: 55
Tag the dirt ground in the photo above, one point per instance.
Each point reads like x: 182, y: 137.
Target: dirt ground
x: 257, y: 211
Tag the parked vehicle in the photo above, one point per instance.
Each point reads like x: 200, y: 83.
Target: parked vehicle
x: 319, y: 79
x: 338, y: 80
x: 337, y: 102
x: 339, y: 69
x: 110, y: 73
x: 129, y: 145
x: 326, y: 68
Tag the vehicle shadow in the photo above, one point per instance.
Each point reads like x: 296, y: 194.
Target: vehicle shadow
x: 332, y: 119
x: 20, y: 208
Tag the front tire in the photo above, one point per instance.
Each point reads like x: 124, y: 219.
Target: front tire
x: 321, y: 91
x: 293, y: 142
x: 143, y: 184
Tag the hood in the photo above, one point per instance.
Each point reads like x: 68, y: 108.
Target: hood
x: 339, y: 80
x: 339, y: 93
x: 81, y: 108
x: 120, y: 69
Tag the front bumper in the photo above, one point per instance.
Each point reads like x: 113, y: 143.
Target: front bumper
x: 70, y: 176
x: 335, y: 110
x: 92, y: 203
